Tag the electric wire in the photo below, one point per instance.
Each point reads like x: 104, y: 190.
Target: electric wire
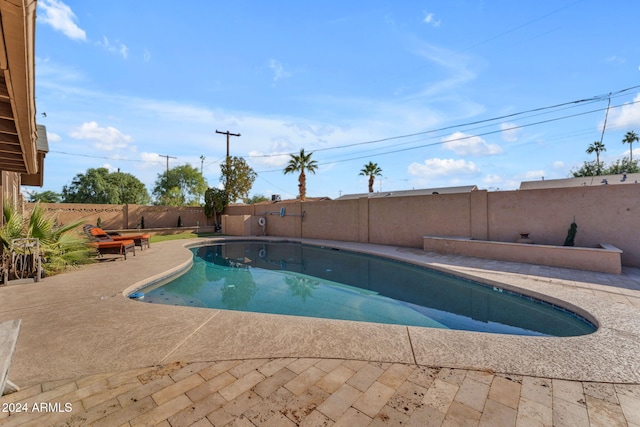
x: 465, y: 137
x: 493, y: 119
x: 432, y: 133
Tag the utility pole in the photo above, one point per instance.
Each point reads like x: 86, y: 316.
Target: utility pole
x: 228, y: 135
x: 201, y: 163
x: 168, y: 157
x: 226, y: 184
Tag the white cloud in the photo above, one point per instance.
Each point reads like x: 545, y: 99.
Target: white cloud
x: 534, y: 175
x: 277, y: 156
x: 118, y: 48
x: 625, y: 116
x: 105, y: 138
x: 616, y: 59
x: 278, y: 70
x: 510, y: 132
x: 269, y: 160
x: 53, y: 137
x: 431, y: 20
x: 61, y: 18
x: 456, y: 65
x: 468, y: 145
x: 146, y: 56
x: 151, y: 160
x: 558, y: 165
x: 432, y: 168
x: 304, y: 130
x: 492, y: 179
x: 151, y: 157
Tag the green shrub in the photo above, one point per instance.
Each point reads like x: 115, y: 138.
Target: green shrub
x: 60, y: 246
x: 571, y: 234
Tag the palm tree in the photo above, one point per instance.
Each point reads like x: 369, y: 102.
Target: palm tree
x: 596, y: 147
x: 371, y: 170
x: 630, y: 137
x: 300, y: 163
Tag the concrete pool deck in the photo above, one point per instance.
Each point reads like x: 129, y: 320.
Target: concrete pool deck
x: 78, y: 330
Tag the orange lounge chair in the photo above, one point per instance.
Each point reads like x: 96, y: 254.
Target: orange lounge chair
x: 121, y: 247
x: 97, y: 233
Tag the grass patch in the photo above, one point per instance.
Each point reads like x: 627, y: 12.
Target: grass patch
x: 165, y: 237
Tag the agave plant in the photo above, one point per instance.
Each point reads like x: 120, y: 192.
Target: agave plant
x: 60, y: 246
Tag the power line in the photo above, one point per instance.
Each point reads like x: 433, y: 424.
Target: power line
x: 396, y: 150
x: 485, y: 122
x: 493, y: 119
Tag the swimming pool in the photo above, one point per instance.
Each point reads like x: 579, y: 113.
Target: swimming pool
x: 305, y: 280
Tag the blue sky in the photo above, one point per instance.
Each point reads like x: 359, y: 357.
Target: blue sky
x: 437, y: 93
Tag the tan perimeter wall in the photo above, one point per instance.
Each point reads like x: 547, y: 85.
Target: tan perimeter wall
x: 605, y: 214
x: 123, y: 217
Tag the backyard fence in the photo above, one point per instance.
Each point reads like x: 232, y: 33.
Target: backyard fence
x: 124, y: 217
x: 605, y: 214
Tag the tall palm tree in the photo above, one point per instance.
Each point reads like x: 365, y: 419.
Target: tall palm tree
x: 596, y: 147
x: 371, y: 170
x: 630, y: 137
x: 301, y: 163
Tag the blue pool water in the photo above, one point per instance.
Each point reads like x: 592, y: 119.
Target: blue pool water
x: 304, y: 280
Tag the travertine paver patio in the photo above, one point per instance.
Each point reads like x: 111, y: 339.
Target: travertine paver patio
x: 271, y: 390
x: 321, y: 392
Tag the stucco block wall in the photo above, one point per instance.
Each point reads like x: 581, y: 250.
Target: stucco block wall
x: 289, y: 225
x: 604, y: 214
x: 112, y: 217
x: 333, y: 220
x: 167, y: 216
x: 122, y: 217
x: 403, y: 221
x: 237, y: 225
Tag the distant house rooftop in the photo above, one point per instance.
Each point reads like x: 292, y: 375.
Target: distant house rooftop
x: 419, y: 192
x: 586, y: 181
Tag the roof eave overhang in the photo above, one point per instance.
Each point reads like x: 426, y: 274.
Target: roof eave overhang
x: 18, y: 135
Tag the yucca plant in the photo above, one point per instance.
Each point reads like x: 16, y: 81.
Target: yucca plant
x: 60, y: 246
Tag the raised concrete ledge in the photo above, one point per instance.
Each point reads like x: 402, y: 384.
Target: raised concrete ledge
x: 606, y: 259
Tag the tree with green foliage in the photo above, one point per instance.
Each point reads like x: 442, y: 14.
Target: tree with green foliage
x: 47, y: 196
x: 371, y: 170
x: 301, y: 163
x: 215, y: 200
x: 237, y: 178
x: 620, y: 166
x: 629, y: 138
x: 257, y: 198
x: 180, y: 186
x: 596, y: 147
x: 61, y: 246
x: 587, y: 169
x: 101, y: 186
